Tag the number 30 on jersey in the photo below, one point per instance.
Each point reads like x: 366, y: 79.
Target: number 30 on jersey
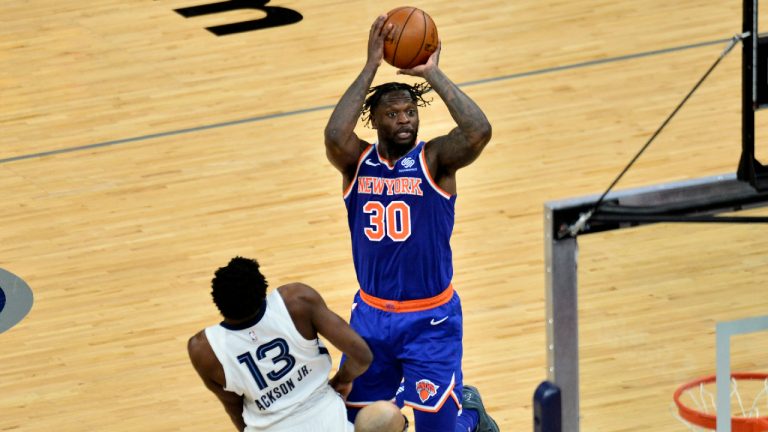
x: 392, y: 220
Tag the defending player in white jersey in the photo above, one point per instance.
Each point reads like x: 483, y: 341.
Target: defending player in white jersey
x: 265, y: 362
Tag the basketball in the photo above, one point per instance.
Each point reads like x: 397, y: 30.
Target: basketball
x: 413, y: 39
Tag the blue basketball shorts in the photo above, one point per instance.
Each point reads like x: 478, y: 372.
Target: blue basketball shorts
x: 416, y: 359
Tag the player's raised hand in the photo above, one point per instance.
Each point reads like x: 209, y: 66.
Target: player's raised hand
x: 422, y: 70
x: 379, y: 32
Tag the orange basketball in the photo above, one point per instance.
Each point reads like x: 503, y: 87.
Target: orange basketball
x: 413, y: 40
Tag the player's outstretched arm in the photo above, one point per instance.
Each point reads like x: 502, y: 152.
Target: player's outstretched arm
x: 311, y: 315
x: 341, y: 335
x: 208, y: 367
x: 342, y: 145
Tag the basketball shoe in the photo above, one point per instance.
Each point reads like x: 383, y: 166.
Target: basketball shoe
x: 473, y: 401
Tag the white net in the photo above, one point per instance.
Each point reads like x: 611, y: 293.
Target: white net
x: 748, y: 396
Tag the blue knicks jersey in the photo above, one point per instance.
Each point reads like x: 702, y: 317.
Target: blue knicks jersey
x: 401, y: 224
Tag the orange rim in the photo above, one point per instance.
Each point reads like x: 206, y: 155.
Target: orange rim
x: 709, y: 421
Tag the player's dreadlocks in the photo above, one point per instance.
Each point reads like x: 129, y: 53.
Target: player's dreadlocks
x: 375, y: 93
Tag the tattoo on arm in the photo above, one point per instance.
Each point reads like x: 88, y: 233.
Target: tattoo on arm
x: 464, y: 143
x: 468, y: 116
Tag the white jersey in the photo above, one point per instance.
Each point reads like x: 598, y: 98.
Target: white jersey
x: 282, y: 377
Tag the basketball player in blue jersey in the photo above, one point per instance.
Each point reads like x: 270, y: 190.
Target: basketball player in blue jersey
x: 265, y: 361
x: 400, y: 195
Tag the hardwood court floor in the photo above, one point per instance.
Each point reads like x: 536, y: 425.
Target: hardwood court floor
x: 139, y: 152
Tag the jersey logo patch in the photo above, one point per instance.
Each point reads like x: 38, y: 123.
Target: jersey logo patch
x: 408, y: 162
x: 426, y: 389
x: 371, y: 163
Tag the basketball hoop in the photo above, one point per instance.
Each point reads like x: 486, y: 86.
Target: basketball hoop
x: 743, y: 418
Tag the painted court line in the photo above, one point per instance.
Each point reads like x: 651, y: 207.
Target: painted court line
x: 328, y: 107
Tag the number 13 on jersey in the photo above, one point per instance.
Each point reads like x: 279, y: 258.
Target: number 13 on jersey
x: 392, y: 220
